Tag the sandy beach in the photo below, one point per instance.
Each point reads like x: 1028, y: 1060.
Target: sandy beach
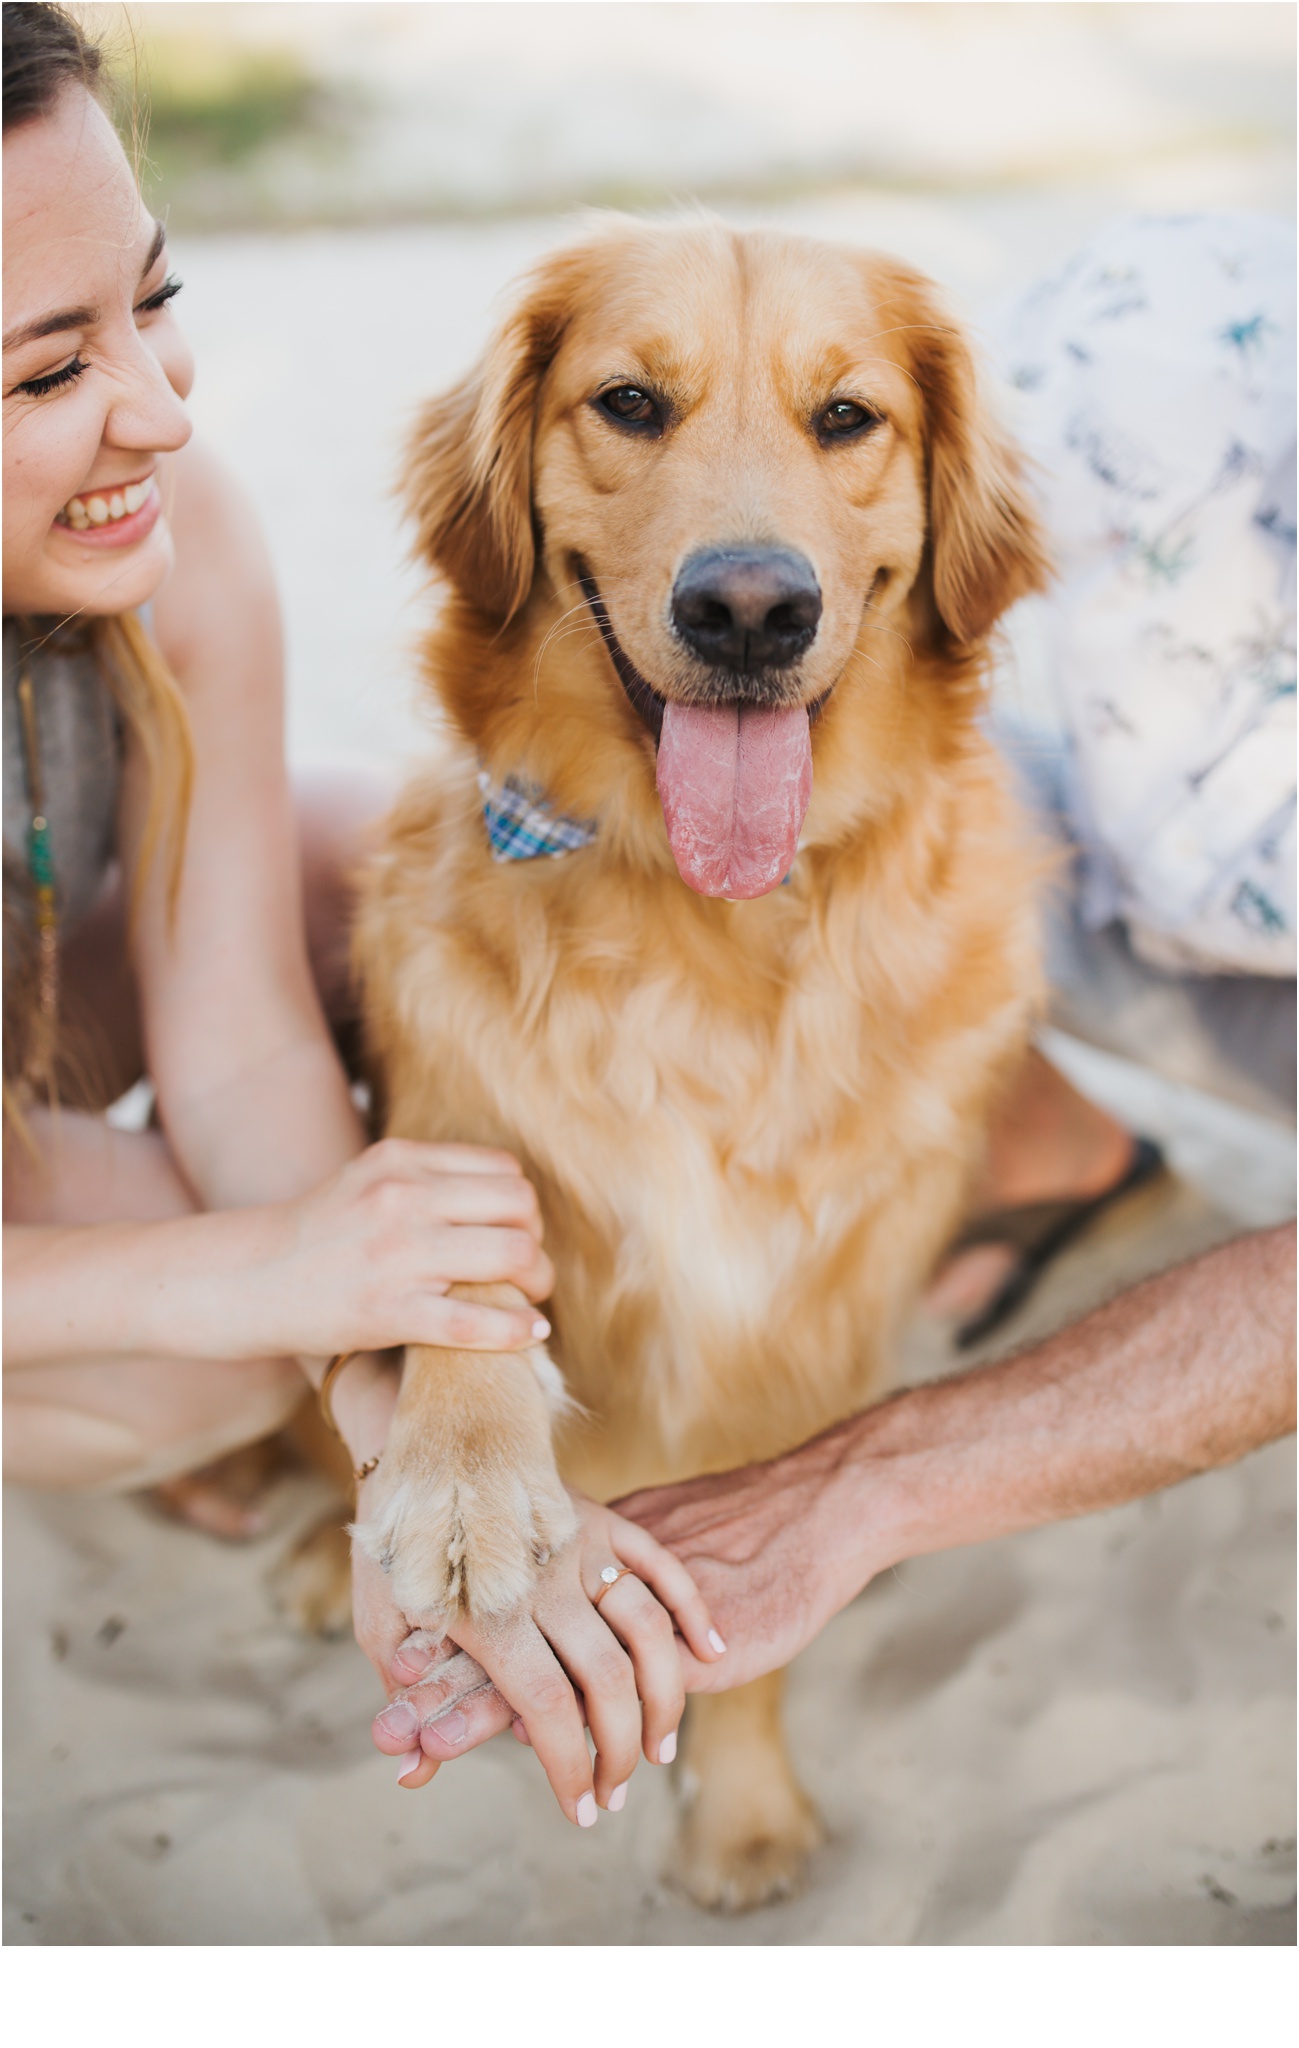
x: 1081, y: 1735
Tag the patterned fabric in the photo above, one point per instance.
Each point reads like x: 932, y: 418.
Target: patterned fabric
x: 521, y: 825
x: 1153, y: 382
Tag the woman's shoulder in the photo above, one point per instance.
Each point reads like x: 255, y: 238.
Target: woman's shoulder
x: 205, y: 490
x: 221, y: 566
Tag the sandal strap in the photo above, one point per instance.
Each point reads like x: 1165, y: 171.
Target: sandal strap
x: 1046, y: 1229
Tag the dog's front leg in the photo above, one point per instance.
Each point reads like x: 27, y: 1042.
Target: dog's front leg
x: 467, y: 1499
x: 749, y: 1826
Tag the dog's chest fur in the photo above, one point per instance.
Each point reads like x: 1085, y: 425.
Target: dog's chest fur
x: 747, y: 1145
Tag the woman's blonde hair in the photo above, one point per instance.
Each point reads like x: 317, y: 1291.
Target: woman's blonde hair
x: 150, y: 701
x: 39, y: 1044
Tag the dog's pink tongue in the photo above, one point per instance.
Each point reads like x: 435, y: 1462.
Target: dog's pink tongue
x: 735, y: 783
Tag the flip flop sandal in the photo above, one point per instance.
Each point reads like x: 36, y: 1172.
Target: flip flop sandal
x: 1039, y: 1232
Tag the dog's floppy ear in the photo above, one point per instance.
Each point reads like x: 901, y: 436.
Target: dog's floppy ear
x: 468, y: 477
x: 986, y: 546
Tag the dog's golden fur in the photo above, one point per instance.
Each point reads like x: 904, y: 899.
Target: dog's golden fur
x: 751, y: 1125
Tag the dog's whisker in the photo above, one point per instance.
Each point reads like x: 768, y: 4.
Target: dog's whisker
x: 574, y: 611
x: 567, y: 627
x: 876, y: 627
x: 572, y: 632
x: 860, y: 654
x: 568, y: 631
x: 559, y: 626
x: 890, y: 364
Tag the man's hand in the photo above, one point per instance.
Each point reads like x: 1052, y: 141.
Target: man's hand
x: 775, y: 1551
x: 1187, y: 1371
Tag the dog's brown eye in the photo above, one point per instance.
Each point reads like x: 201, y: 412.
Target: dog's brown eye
x: 631, y: 406
x: 845, y: 417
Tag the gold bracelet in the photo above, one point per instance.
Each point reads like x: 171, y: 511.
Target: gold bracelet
x: 323, y: 1391
x: 324, y: 1395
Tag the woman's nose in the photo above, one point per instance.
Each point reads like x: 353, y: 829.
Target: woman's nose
x: 149, y: 412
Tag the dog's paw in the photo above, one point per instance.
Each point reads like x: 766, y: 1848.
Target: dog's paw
x: 468, y: 1540
x: 312, y: 1586
x: 734, y: 1854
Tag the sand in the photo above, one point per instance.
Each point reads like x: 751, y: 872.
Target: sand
x: 1079, y: 1735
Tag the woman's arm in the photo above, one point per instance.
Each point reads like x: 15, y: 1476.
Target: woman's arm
x: 251, y: 1093
x: 361, y: 1263
x: 1183, y: 1373
x: 303, y: 1254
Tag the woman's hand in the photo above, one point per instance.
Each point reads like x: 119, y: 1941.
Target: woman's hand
x: 551, y: 1667
x: 364, y: 1261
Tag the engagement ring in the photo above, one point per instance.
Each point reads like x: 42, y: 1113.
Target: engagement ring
x: 610, y: 1577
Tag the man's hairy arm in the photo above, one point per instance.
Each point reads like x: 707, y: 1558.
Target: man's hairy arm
x: 1182, y: 1373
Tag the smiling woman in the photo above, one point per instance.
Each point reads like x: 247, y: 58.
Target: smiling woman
x: 84, y: 535
x: 172, y: 1294
x: 53, y: 350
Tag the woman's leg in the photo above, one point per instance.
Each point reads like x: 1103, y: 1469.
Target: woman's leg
x: 121, y: 1423
x: 101, y: 1043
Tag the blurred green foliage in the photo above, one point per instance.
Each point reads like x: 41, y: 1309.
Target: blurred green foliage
x: 210, y: 102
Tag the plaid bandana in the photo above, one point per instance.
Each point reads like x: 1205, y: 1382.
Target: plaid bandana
x: 522, y: 826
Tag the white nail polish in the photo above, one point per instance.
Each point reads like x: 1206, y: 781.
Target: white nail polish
x: 541, y: 1328
x: 716, y: 1641
x: 617, y: 1799
x: 587, y: 1810
x: 410, y: 1763
x: 668, y: 1748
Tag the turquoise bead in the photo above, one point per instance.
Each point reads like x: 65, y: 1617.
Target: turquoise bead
x: 40, y: 860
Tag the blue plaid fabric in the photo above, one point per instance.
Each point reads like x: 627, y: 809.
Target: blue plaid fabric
x: 522, y: 826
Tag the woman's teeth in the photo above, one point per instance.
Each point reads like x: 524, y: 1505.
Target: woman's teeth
x: 79, y: 513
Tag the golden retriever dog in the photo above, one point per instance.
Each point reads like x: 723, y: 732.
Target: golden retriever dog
x: 726, y: 528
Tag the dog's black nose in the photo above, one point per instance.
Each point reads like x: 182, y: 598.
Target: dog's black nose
x: 747, y: 608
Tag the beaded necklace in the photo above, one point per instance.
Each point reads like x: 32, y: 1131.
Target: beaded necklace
x: 40, y: 858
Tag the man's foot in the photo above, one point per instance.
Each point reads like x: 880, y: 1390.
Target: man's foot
x: 1036, y: 1234
x: 1055, y: 1160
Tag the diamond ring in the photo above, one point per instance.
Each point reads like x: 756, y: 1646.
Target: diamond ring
x: 610, y: 1577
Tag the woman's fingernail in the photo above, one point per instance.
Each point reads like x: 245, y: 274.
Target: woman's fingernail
x: 668, y: 1748
x: 541, y: 1328
x: 716, y: 1641
x: 399, y: 1720
x: 617, y: 1799
x: 452, y: 1727
x: 587, y: 1810
x: 412, y: 1657
x: 410, y: 1763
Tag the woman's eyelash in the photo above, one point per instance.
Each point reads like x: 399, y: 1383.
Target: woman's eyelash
x: 160, y: 298
x: 36, y: 387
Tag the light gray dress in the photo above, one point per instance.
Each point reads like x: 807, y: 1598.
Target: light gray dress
x: 80, y: 737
